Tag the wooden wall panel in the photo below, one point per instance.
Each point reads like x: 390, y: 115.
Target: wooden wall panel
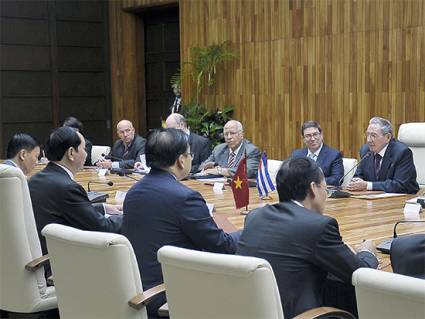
x: 124, y: 64
x: 337, y: 62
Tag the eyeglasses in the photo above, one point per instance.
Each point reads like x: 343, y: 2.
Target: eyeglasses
x: 189, y: 153
x: 372, y: 136
x: 311, y: 136
x: 328, y: 191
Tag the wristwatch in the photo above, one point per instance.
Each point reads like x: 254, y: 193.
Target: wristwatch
x: 219, y: 170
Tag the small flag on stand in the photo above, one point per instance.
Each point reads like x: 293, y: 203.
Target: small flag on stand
x: 264, y: 182
x: 240, y: 186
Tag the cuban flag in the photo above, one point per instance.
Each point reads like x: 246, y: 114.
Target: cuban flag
x: 264, y: 182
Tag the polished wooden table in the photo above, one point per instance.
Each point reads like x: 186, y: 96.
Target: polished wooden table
x: 358, y: 219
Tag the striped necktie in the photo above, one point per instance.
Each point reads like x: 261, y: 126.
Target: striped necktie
x: 312, y: 156
x: 231, y: 160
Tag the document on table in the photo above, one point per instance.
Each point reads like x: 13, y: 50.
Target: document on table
x: 377, y: 196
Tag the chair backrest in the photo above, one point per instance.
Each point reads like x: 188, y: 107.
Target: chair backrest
x: 96, y: 152
x: 20, y: 289
x: 273, y: 167
x: 413, y: 135
x: 95, y: 273
x: 348, y: 163
x: 207, y: 285
x: 387, y: 295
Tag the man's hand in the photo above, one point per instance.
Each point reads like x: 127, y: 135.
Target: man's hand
x: 357, y: 184
x: 104, y: 163
x: 217, y: 171
x: 113, y: 209
x: 208, y: 165
x: 138, y: 165
x: 367, y: 245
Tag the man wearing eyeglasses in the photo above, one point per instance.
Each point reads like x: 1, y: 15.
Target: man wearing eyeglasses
x: 159, y: 210
x: 329, y: 159
x: 226, y: 157
x: 388, y: 165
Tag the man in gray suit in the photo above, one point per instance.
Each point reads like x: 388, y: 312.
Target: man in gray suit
x: 225, y: 157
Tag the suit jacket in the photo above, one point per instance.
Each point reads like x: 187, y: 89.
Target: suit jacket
x: 408, y: 255
x: 89, y: 146
x: 158, y: 211
x: 329, y: 160
x: 136, y: 149
x: 201, y: 148
x: 397, y: 173
x: 302, y: 247
x: 220, y: 156
x: 56, y: 198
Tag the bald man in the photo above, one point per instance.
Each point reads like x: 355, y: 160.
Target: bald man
x: 226, y: 157
x: 127, y: 150
x: 200, y: 146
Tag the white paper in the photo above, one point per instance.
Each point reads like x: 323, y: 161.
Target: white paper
x: 120, y: 196
x: 102, y: 171
x: 218, y: 188
x: 411, y: 211
x: 211, y: 208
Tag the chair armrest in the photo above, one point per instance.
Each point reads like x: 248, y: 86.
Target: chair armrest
x: 37, y: 263
x: 141, y: 300
x: 325, y: 312
x: 163, y: 311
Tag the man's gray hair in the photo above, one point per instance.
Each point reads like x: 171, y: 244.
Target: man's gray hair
x: 385, y: 125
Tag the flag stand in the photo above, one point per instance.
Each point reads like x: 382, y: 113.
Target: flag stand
x: 267, y: 197
x: 245, y: 212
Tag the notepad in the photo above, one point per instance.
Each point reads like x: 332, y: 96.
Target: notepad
x: 377, y: 196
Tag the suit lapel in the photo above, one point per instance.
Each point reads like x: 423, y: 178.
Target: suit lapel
x: 240, y: 154
x: 386, y: 162
x: 322, y: 155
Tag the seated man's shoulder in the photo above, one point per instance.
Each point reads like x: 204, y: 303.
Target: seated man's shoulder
x: 332, y: 151
x: 299, y: 152
x: 398, y: 146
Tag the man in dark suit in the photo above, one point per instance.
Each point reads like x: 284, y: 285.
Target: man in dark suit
x: 177, y: 102
x: 127, y: 150
x: 329, y: 159
x: 226, y: 157
x: 78, y: 125
x: 408, y: 255
x: 22, y: 152
x: 301, y: 244
x: 200, y: 146
x: 388, y: 164
x: 159, y: 210
x: 57, y: 198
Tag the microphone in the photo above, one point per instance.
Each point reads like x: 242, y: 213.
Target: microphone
x: 107, y: 156
x: 123, y: 172
x: 109, y: 183
x: 385, y: 246
x: 404, y: 222
x: 355, y: 166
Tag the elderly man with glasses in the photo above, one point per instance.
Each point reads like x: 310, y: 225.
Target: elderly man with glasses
x: 329, y: 159
x: 226, y: 157
x: 388, y: 164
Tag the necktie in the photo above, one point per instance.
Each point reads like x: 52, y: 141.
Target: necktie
x: 312, y: 156
x: 377, y: 164
x: 124, y: 155
x: 231, y: 160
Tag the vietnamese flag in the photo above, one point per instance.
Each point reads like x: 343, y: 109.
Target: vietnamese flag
x: 240, y: 185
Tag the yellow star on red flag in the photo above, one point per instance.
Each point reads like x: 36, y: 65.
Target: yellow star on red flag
x: 238, y: 182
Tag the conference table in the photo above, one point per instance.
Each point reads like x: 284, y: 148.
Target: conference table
x: 358, y: 219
